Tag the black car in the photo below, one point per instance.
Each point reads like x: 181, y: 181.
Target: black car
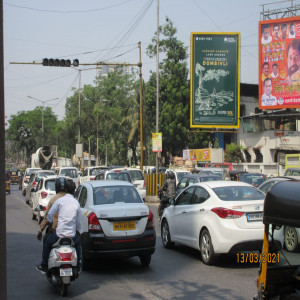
x: 256, y: 179
x: 190, y: 179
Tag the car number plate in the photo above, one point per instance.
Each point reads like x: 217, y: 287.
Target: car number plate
x: 118, y: 226
x: 254, y: 217
x: 65, y: 272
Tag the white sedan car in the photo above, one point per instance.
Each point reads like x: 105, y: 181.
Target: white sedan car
x: 215, y: 217
x: 115, y: 222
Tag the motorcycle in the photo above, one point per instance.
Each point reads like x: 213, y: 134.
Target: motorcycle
x: 164, y: 202
x: 62, y: 265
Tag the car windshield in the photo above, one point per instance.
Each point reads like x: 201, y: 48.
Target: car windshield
x: 254, y: 179
x: 38, y: 176
x: 50, y: 185
x: 238, y: 193
x: 69, y: 173
x: 181, y: 174
x: 114, y: 194
x: 118, y: 176
x: 210, y: 178
x: 28, y: 172
x: 95, y: 171
x: 136, y: 174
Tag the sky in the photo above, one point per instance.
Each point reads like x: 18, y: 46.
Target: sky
x: 107, y: 31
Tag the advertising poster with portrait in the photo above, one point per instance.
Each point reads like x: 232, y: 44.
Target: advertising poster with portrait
x: 279, y: 63
x: 215, y: 80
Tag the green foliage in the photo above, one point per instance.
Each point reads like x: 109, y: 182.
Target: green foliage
x: 25, y: 130
x: 174, y: 95
x: 233, y: 153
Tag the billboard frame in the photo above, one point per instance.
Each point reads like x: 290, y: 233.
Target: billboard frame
x: 237, y: 79
x: 271, y: 22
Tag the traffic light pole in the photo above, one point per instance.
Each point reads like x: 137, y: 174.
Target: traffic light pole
x: 139, y: 64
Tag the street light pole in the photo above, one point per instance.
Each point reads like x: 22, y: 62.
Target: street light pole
x: 43, y: 102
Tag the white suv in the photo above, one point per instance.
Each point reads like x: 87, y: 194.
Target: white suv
x: 138, y: 180
x: 71, y: 172
x: 26, y: 177
x: 90, y: 172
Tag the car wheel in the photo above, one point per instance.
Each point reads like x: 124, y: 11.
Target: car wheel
x: 291, y: 239
x: 165, y: 235
x: 145, y: 260
x: 23, y: 192
x: 33, y: 216
x: 206, y: 248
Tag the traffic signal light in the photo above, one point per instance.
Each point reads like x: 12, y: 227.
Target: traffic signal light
x: 59, y: 62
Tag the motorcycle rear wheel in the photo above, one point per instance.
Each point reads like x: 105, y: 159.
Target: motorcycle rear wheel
x: 64, y: 289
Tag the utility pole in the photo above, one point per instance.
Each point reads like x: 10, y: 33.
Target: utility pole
x: 157, y: 82
x: 43, y: 102
x: 3, y: 276
x: 141, y: 109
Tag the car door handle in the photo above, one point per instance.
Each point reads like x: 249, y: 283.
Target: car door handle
x: 202, y: 209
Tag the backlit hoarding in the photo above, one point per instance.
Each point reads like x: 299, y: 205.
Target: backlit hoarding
x: 279, y: 63
x: 215, y: 80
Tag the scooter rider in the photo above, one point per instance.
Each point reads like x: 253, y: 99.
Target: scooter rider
x: 169, y: 186
x: 69, y: 222
x: 44, y: 223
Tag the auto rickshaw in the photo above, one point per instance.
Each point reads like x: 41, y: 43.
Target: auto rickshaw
x: 7, y: 182
x: 14, y: 176
x: 279, y: 272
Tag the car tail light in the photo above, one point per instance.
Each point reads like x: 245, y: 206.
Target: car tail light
x: 92, y: 178
x: 93, y: 222
x: 226, y: 213
x: 45, y: 208
x: 150, y: 221
x: 144, y: 184
x: 44, y: 195
x: 34, y: 183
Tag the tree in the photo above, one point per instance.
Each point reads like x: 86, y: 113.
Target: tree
x: 174, y: 93
x: 25, y: 130
x: 233, y: 153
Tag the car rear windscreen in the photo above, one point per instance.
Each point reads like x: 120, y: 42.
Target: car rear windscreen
x: 136, y: 175
x: 113, y: 194
x: 72, y: 173
x: 50, y: 185
x: 118, y: 176
x: 239, y: 193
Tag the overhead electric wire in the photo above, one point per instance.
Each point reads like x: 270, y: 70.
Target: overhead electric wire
x: 136, y: 20
x: 66, y: 12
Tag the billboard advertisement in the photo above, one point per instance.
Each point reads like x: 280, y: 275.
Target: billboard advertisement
x: 279, y: 63
x: 215, y: 80
x: 157, y: 142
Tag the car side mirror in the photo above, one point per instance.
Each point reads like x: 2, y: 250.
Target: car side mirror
x: 172, y: 201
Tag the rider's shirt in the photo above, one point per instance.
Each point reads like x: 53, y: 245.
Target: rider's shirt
x: 69, y: 219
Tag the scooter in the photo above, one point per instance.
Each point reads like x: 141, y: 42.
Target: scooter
x: 62, y: 265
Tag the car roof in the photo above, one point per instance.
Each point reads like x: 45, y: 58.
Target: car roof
x: 201, y: 175
x: 222, y: 183
x: 178, y: 170
x: 99, y: 183
x: 213, y: 169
